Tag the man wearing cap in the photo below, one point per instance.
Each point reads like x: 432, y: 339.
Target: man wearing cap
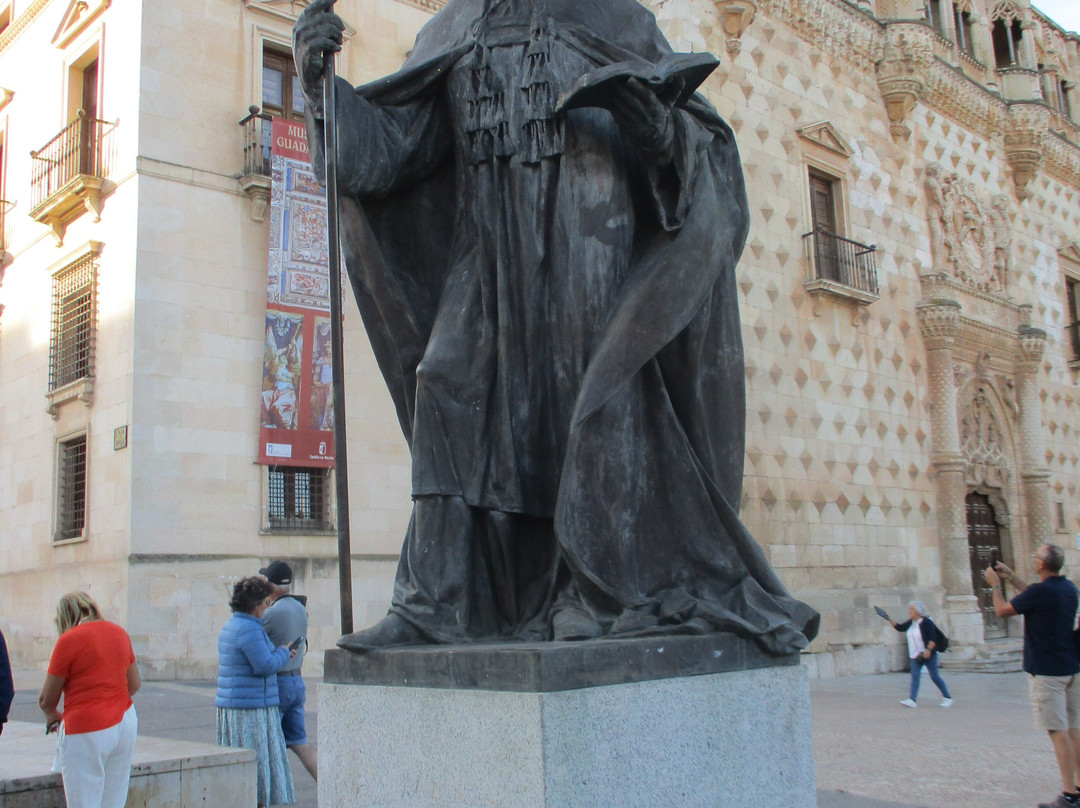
x: 286, y: 621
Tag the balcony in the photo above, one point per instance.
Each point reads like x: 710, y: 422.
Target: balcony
x: 68, y: 173
x: 255, y: 181
x: 841, y: 267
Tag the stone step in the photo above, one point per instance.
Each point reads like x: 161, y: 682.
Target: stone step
x: 996, y: 656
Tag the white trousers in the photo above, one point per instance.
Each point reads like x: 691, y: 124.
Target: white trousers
x: 96, y: 766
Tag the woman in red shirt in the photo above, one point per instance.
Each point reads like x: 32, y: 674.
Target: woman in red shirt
x: 93, y: 667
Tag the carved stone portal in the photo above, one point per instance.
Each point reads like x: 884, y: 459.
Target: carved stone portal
x: 981, y: 441
x: 969, y: 233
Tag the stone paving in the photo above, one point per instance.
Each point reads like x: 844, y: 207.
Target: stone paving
x: 870, y: 751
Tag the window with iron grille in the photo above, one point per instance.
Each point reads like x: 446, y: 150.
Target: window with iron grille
x: 298, y: 499
x: 72, y: 345
x: 71, y: 489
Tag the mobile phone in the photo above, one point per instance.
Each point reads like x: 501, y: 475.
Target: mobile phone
x: 296, y: 643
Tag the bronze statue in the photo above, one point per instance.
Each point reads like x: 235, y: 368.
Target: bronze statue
x: 550, y: 293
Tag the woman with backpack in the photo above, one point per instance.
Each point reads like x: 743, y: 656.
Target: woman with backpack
x: 923, y: 640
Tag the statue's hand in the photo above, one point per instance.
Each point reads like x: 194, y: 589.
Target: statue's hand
x: 317, y: 32
x: 646, y: 116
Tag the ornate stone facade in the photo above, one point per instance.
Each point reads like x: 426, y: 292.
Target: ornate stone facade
x: 875, y: 426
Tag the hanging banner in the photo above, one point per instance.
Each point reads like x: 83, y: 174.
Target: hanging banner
x: 296, y: 423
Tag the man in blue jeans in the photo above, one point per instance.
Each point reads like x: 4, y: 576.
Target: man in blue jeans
x: 1050, y: 657
x: 286, y: 621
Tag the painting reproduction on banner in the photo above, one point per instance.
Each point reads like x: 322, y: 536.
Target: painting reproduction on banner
x: 297, y: 412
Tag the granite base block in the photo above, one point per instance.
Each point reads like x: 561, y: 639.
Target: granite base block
x: 738, y: 738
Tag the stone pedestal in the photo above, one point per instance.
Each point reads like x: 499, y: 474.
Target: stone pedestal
x: 651, y: 723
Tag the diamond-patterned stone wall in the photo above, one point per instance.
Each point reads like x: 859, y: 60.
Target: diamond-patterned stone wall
x: 840, y: 487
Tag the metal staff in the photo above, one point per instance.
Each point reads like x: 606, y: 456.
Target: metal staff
x: 341, y: 465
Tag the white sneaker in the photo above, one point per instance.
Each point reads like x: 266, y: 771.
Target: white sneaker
x: 908, y: 703
x: 946, y: 702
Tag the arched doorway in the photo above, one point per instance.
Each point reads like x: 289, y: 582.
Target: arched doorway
x: 984, y: 547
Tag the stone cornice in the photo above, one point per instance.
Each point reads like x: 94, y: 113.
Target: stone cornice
x: 836, y: 27
x: 20, y: 23
x: 1061, y: 157
x: 997, y: 308
x: 976, y: 337
x: 287, y: 11
x: 947, y: 90
x: 427, y: 5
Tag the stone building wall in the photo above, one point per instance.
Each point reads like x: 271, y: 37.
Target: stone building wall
x: 871, y: 413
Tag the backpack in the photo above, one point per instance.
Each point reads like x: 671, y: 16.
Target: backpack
x: 942, y: 642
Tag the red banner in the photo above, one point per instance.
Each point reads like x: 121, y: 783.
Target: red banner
x: 296, y: 421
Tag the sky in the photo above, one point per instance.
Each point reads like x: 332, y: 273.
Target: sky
x: 1065, y: 13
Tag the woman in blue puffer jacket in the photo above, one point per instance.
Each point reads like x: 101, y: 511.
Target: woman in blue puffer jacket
x: 247, y: 691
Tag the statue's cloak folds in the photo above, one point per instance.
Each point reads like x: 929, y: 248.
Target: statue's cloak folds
x: 649, y: 471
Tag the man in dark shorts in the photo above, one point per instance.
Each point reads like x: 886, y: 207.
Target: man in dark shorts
x: 1050, y: 657
x: 285, y: 622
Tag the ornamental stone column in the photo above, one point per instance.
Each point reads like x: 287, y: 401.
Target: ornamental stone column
x: 1034, y: 474
x: 939, y: 321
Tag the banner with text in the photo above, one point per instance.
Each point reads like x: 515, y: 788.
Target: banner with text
x: 296, y: 424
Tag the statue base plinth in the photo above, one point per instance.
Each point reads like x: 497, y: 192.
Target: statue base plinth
x: 650, y: 723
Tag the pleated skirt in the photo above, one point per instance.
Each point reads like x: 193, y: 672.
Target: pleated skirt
x: 260, y: 729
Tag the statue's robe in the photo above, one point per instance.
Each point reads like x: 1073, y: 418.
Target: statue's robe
x: 556, y: 317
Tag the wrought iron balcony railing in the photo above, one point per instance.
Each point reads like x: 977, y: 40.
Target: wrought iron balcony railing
x: 256, y: 142
x: 836, y: 259
x: 83, y: 148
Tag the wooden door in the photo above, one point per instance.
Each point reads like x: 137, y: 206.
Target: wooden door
x: 88, y: 134
x: 823, y: 211
x: 984, y: 547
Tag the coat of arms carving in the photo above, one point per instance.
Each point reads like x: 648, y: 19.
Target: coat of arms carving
x: 969, y: 233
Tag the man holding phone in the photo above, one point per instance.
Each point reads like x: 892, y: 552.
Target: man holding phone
x: 1050, y: 657
x: 286, y: 623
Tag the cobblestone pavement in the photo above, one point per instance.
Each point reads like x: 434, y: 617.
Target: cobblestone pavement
x: 870, y: 751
